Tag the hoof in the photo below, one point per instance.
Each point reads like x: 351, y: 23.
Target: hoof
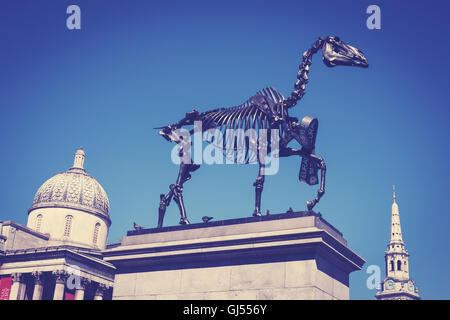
x: 257, y: 214
x: 309, y: 205
x: 184, y: 221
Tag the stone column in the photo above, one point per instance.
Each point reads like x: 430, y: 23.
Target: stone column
x: 18, y: 287
x: 60, y: 277
x: 100, y: 291
x: 79, y: 292
x: 38, y: 285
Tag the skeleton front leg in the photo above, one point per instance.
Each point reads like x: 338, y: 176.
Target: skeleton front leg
x: 176, y: 192
x: 258, y: 184
x: 164, y: 202
x: 183, y: 176
x: 178, y: 198
x: 321, y: 191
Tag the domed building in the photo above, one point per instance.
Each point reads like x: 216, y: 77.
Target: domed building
x: 72, y: 207
x: 59, y: 253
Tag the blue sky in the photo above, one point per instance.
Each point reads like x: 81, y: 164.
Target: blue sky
x: 136, y: 65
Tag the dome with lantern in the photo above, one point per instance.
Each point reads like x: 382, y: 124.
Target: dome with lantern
x: 74, y: 189
x: 72, y: 208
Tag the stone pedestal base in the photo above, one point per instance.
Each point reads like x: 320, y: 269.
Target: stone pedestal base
x: 285, y: 256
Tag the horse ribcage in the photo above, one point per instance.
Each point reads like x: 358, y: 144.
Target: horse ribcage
x: 241, y: 131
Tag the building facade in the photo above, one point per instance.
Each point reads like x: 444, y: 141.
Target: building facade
x: 58, y: 254
x: 398, y: 285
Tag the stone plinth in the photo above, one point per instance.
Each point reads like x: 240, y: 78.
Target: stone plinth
x: 284, y: 256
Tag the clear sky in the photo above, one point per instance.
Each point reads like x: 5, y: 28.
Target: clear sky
x: 136, y: 65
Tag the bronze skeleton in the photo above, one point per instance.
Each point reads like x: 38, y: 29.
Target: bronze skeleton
x: 267, y: 109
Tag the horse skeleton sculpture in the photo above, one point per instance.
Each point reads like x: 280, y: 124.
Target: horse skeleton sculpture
x: 268, y: 109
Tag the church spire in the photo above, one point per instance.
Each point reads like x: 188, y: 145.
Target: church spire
x: 396, y: 230
x: 397, y: 284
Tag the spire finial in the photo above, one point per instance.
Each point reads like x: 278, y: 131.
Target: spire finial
x: 393, y: 189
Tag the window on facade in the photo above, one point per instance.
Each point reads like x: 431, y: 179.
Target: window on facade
x: 38, y: 222
x: 392, y: 265
x: 68, y: 226
x: 96, y: 230
x: 399, y: 265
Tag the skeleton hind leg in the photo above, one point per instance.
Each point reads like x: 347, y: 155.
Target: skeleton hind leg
x: 321, y: 191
